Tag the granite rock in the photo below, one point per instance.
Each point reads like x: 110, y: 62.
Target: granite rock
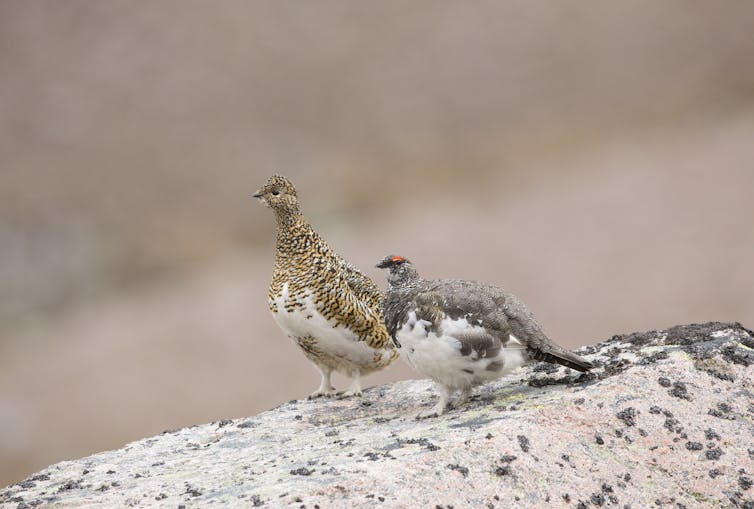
x: 666, y: 420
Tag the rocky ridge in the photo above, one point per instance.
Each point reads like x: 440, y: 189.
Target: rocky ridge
x: 666, y: 420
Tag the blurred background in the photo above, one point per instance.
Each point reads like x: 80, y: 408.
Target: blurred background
x: 595, y: 158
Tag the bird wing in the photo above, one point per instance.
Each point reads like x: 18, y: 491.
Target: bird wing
x: 502, y: 316
x: 360, y: 284
x: 446, y: 315
x: 359, y: 305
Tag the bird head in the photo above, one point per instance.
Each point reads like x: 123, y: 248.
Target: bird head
x: 279, y: 194
x: 399, y: 269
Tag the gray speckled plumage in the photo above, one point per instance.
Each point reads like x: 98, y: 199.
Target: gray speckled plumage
x: 480, y: 322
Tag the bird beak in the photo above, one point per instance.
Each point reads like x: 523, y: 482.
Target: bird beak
x: 382, y: 265
x: 258, y: 194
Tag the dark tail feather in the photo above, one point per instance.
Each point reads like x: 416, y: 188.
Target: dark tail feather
x: 562, y: 356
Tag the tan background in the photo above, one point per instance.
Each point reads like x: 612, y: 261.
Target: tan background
x: 595, y: 158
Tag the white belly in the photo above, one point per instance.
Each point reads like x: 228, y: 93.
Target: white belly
x: 335, y: 340
x: 439, y: 356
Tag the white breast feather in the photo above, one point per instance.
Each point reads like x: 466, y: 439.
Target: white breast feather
x: 439, y: 356
x: 337, y: 341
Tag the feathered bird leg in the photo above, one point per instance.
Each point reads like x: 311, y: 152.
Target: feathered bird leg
x: 355, y: 388
x: 463, y: 398
x: 439, y: 408
x: 325, y: 386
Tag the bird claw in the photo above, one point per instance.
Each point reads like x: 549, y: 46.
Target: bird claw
x: 435, y: 411
x: 425, y: 415
x: 347, y: 394
x: 322, y: 394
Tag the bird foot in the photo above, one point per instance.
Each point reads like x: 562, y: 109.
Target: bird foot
x: 435, y: 411
x: 348, y: 394
x: 322, y: 393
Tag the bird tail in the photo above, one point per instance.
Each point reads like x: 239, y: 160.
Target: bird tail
x: 558, y: 355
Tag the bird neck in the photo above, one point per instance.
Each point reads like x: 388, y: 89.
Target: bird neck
x: 295, y: 236
x: 289, y: 218
x: 407, y: 278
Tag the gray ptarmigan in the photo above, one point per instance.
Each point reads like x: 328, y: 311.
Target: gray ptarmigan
x: 462, y: 333
x: 326, y: 306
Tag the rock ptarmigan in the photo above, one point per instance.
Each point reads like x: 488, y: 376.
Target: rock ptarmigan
x: 325, y: 305
x: 462, y: 333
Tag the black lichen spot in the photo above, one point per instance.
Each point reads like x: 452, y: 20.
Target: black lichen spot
x: 597, y: 499
x: 421, y: 441
x: 161, y: 496
x: 694, y: 333
x: 737, y: 356
x: 545, y: 367
x: 672, y: 425
x: 713, y: 370
x: 710, y: 434
x: 544, y: 381
x: 505, y: 468
x: 192, y: 491
x: 722, y: 412
x: 579, y: 401
x: 694, y: 446
x: 628, y: 416
x: 302, y: 471
x: 247, y: 424
x: 598, y: 438
x: 523, y: 442
x: 745, y: 482
x: 566, y: 497
x: 459, y: 468
x: 680, y: 390
x: 651, y: 359
x: 223, y: 423
x: 613, y: 368
x: 665, y: 382
x: 713, y: 454
x: 627, y: 477
x: 715, y: 472
x: 643, y: 432
x: 71, y: 485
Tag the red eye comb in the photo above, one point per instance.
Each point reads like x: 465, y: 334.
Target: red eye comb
x: 397, y: 259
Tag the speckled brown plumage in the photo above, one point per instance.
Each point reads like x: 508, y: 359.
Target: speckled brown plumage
x: 329, y: 308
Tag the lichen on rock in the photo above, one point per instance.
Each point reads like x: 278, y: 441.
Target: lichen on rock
x: 666, y: 418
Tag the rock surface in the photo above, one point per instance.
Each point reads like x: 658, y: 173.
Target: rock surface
x: 667, y: 420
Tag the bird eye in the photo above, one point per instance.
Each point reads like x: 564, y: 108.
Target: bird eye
x: 275, y: 193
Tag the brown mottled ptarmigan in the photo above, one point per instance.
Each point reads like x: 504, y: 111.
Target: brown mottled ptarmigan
x: 462, y: 333
x: 324, y: 304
